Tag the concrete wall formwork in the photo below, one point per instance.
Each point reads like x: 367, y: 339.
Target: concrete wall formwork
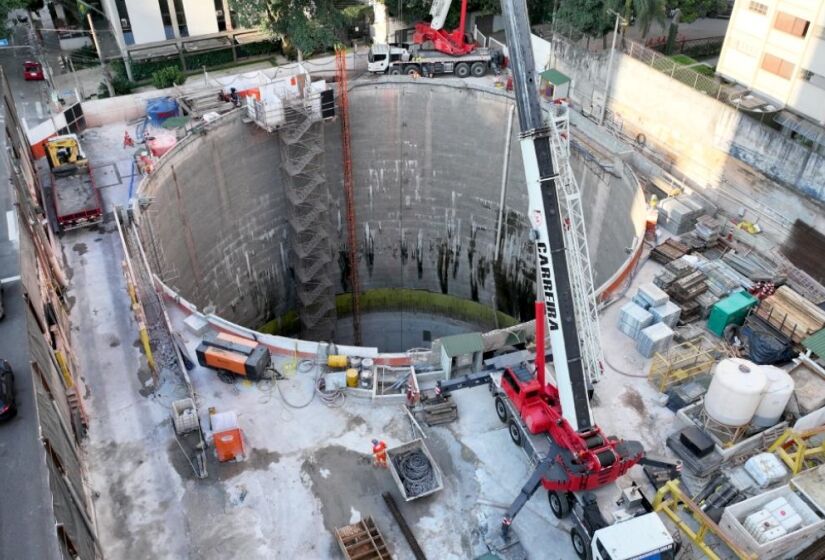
x: 428, y: 163
x: 706, y: 139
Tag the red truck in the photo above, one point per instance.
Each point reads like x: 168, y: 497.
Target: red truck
x: 77, y: 201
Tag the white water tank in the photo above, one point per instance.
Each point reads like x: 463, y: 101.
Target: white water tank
x: 775, y: 398
x: 735, y: 392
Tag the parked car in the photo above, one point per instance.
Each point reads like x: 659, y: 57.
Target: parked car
x: 32, y: 71
x: 8, y: 408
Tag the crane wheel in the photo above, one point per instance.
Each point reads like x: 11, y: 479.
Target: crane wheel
x: 395, y: 71
x: 580, y: 544
x: 462, y: 70
x: 478, y: 69
x: 501, y: 409
x: 515, y: 432
x: 412, y: 70
x: 559, y: 503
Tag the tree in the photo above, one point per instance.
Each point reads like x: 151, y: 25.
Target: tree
x: 6, y: 7
x: 646, y: 12
x: 309, y: 26
x: 590, y: 18
x: 694, y: 9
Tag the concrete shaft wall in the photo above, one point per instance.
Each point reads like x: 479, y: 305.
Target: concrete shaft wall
x: 735, y: 159
x: 428, y: 159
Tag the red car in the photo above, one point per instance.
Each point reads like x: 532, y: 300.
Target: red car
x: 32, y: 71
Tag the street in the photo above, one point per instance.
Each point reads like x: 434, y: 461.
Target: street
x: 26, y: 518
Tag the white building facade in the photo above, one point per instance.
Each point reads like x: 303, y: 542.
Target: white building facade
x: 777, y: 49
x: 152, y: 21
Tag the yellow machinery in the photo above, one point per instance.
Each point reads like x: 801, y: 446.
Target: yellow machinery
x: 65, y: 151
x: 671, y: 501
x: 796, y: 449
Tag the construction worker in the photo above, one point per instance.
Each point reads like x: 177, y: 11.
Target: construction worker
x: 127, y: 140
x: 379, y: 453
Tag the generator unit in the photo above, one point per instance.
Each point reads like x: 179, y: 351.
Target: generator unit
x: 233, y: 354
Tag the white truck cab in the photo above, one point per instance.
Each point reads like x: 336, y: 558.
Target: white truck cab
x: 644, y: 537
x: 381, y: 54
x: 614, y: 523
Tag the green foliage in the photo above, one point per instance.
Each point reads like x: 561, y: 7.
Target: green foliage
x: 208, y: 59
x: 646, y: 13
x: 307, y: 25
x: 120, y: 84
x: 85, y: 57
x: 587, y: 17
x: 257, y: 49
x: 7, y: 6
x: 143, y: 70
x: 682, y: 59
x: 167, y: 77
x: 695, y: 9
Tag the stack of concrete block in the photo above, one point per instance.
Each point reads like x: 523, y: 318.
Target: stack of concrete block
x: 680, y: 214
x: 633, y: 319
x: 653, y: 339
x: 667, y: 313
x: 652, y: 295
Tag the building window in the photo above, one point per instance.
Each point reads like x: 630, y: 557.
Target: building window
x: 797, y: 27
x: 778, y: 66
x: 812, y: 78
x: 758, y: 7
x: 744, y: 47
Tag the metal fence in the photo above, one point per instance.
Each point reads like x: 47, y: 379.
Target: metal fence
x: 666, y: 65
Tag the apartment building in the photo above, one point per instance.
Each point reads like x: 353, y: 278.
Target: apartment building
x: 776, y: 48
x: 151, y: 21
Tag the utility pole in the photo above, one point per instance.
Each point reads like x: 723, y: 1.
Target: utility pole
x: 610, y: 63
x: 107, y: 78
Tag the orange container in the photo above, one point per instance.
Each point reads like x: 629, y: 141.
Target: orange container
x: 229, y: 445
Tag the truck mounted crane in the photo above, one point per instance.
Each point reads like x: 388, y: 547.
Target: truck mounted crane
x: 572, y: 457
x: 432, y: 33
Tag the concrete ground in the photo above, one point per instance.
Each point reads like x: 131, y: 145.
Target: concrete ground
x: 308, y: 470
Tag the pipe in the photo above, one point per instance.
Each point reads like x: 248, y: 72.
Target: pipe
x: 505, y: 167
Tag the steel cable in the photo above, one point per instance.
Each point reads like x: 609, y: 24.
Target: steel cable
x: 416, y: 472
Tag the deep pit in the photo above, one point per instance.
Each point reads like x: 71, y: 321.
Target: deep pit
x: 428, y: 166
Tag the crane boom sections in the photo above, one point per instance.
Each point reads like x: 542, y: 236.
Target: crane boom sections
x: 552, y: 271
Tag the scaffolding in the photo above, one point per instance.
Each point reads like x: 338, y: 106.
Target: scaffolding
x: 800, y: 449
x: 683, y: 362
x: 581, y: 271
x: 349, y: 194
x: 302, y: 165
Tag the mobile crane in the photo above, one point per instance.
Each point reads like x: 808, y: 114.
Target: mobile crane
x: 434, y: 50
x: 573, y: 458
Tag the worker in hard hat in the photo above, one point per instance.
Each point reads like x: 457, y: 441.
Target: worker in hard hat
x: 379, y: 453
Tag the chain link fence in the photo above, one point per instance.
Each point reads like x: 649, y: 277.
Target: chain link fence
x: 666, y: 65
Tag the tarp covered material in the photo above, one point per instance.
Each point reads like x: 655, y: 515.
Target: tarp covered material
x: 816, y: 343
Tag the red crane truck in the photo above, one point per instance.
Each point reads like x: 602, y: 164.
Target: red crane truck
x: 574, y: 460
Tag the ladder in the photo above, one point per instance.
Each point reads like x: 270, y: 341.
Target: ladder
x: 578, y: 259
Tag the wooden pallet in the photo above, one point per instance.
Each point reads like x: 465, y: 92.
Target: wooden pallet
x: 362, y: 541
x: 791, y: 314
x: 439, y: 413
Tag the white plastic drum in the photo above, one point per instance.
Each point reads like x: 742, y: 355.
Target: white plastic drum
x: 735, y: 392
x: 777, y: 394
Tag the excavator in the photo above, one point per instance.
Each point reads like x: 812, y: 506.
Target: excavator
x: 573, y: 458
